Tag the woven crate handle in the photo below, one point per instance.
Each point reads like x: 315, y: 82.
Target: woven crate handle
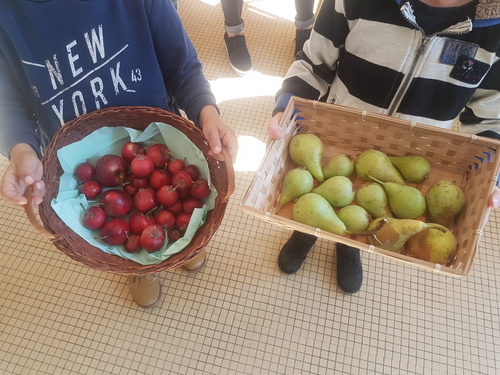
x: 32, y: 217
x: 230, y: 173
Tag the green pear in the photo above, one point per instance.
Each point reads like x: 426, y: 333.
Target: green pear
x: 307, y: 151
x: 376, y: 164
x: 337, y: 190
x: 445, y: 199
x: 435, y: 245
x: 314, y: 210
x: 413, y: 168
x: 377, y: 223
x: 392, y: 234
x: 355, y: 218
x: 373, y: 198
x: 339, y: 165
x: 406, y: 202
x: 297, y: 182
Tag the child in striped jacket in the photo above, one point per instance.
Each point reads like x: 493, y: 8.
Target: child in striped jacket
x: 428, y: 61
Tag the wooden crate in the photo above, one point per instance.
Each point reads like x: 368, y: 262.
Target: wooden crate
x: 454, y: 156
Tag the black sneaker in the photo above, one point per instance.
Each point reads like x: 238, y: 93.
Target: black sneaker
x: 301, y: 35
x: 349, y: 270
x: 295, y: 251
x: 237, y: 52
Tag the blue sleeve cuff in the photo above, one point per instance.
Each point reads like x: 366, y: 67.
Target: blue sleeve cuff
x: 282, y: 102
x: 487, y: 159
x: 195, y: 107
x: 13, y: 138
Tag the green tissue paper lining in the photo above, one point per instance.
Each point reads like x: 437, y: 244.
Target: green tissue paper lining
x: 69, y: 203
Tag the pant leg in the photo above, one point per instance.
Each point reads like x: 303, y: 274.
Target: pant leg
x: 304, y: 16
x: 232, y: 15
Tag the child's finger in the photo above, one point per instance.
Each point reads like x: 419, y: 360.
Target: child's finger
x: 273, y: 129
x: 495, y: 198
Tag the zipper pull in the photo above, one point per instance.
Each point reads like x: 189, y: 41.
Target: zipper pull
x: 423, y: 45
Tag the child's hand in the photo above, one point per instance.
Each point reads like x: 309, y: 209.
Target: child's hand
x: 24, y: 170
x: 217, y: 133
x: 495, y: 198
x: 273, y: 129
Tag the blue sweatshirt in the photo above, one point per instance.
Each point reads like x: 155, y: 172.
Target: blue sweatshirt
x: 60, y: 59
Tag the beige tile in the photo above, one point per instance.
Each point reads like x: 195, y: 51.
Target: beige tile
x: 241, y: 315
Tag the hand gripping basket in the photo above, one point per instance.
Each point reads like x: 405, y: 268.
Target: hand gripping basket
x: 221, y: 173
x: 455, y: 156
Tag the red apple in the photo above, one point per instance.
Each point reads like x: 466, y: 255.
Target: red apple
x: 139, y: 182
x: 131, y: 149
x: 84, y: 171
x: 116, y: 203
x: 182, y: 180
x: 193, y: 171
x: 138, y: 222
x: 114, y: 232
x: 91, y: 189
x: 159, y: 178
x: 165, y: 218
x: 94, y: 217
x: 152, y: 238
x: 130, y: 189
x: 111, y: 170
x: 175, y: 208
x: 167, y: 195
x: 132, y: 244
x: 182, y: 220
x: 142, y: 166
x: 175, y: 165
x: 183, y: 194
x: 174, y: 234
x: 145, y: 200
x: 200, y: 189
x: 160, y: 154
x: 191, y: 203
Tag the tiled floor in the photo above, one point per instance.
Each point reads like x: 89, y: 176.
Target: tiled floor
x: 241, y: 315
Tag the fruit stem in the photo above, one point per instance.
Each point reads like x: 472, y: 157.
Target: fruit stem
x: 437, y: 226
x: 375, y: 230
x: 374, y: 179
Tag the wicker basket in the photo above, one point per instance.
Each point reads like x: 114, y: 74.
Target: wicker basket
x: 221, y: 173
x: 452, y: 155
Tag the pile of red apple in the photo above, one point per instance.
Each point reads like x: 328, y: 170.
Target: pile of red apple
x: 143, y: 196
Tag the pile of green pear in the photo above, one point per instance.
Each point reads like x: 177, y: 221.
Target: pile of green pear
x: 392, y: 214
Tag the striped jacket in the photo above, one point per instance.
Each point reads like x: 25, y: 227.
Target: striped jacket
x: 373, y: 55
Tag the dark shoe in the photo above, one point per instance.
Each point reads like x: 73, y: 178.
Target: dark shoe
x: 237, y: 52
x: 349, y: 270
x: 145, y: 290
x: 301, y: 35
x: 295, y: 251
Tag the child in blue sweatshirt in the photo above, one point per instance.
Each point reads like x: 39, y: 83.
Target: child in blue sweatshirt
x: 62, y: 59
